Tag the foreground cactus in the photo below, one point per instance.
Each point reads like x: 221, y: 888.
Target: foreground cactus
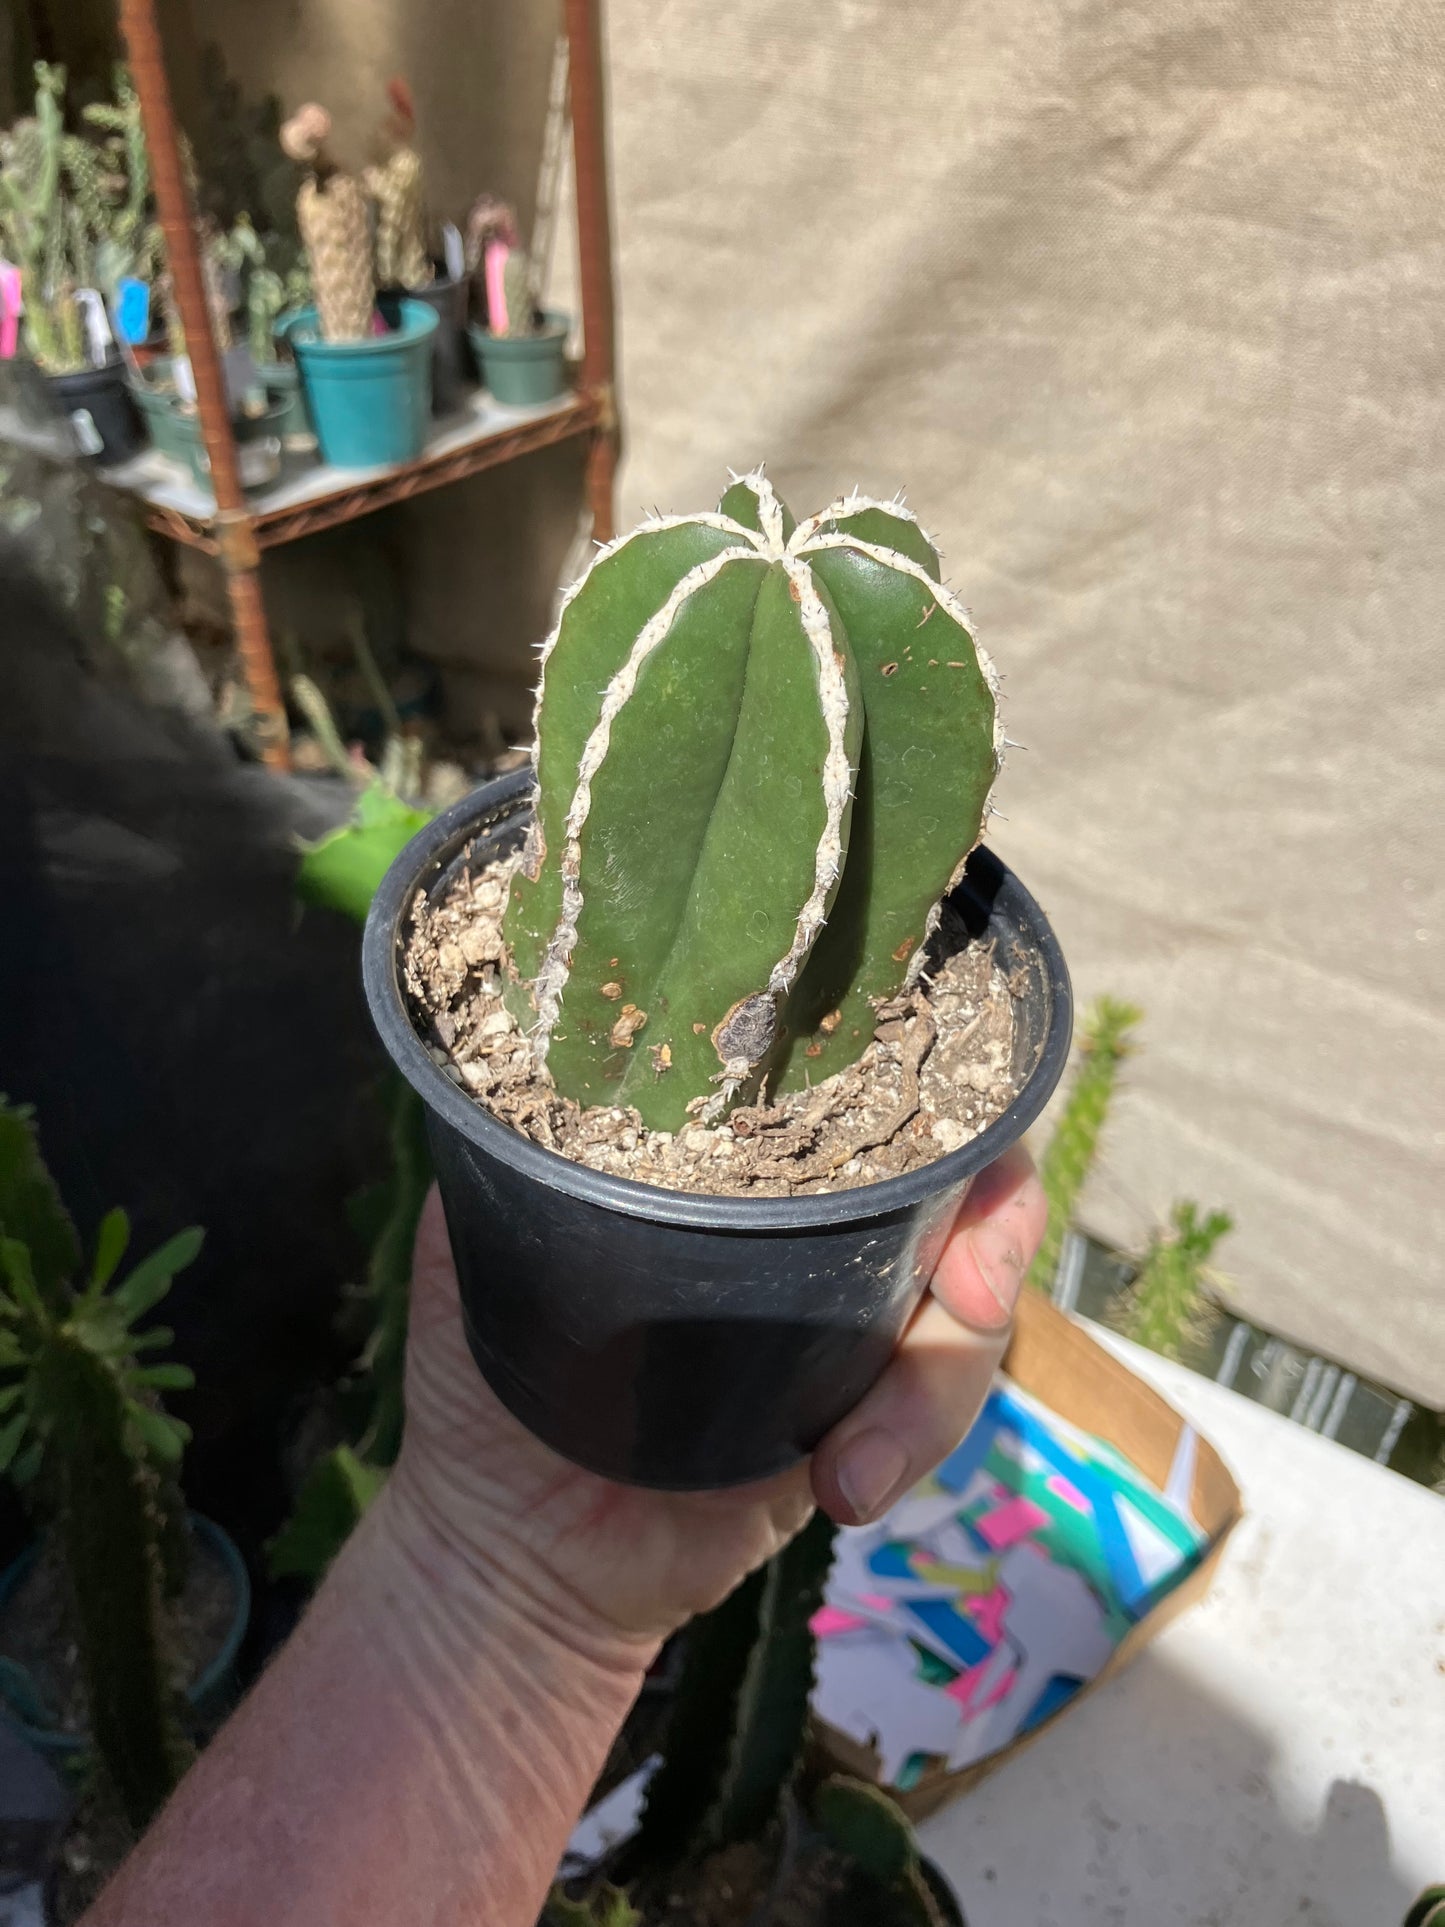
x: 332, y: 215
x: 764, y: 751
x: 83, y: 1428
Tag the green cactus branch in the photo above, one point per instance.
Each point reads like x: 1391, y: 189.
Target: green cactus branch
x: 735, y: 1739
x: 764, y: 751
x: 1105, y: 1043
x: 1165, y: 1306
x: 85, y: 1435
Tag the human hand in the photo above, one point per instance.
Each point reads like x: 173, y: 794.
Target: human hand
x: 568, y: 1546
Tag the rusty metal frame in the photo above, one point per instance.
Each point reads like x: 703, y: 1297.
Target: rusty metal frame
x: 236, y: 533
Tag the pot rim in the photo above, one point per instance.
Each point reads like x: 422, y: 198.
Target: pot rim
x: 435, y: 846
x: 418, y: 323
x: 557, y: 325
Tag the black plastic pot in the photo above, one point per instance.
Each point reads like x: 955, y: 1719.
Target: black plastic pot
x: 97, y: 402
x: 453, y: 368
x: 659, y: 1337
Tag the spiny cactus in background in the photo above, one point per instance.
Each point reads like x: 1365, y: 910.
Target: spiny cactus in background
x: 73, y: 214
x: 1166, y: 1308
x: 1105, y: 1043
x: 396, y: 185
x: 490, y: 224
x: 335, y: 225
x: 735, y: 1738
x: 864, y: 1825
x: 83, y: 1428
x: 519, y: 299
x: 128, y: 239
x: 764, y: 752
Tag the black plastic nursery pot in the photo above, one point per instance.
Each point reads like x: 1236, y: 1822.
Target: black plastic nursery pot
x: 98, y: 405
x: 453, y: 367
x: 663, y: 1338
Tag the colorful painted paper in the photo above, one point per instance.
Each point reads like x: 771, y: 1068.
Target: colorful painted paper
x: 993, y: 1592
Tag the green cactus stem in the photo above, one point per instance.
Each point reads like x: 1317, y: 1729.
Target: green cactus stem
x: 862, y: 1823
x: 1069, y: 1158
x: 1166, y: 1309
x: 83, y: 1432
x: 747, y: 730
x: 519, y: 295
x: 735, y: 1739
x: 111, y: 1533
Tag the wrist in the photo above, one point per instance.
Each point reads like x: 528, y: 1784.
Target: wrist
x: 460, y: 1603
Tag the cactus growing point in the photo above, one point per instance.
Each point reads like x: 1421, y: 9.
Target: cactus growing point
x: 331, y: 213
x: 764, y: 751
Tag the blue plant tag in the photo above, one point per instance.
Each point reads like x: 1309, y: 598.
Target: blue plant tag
x: 132, y: 310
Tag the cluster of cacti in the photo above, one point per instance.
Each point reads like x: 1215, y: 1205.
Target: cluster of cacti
x: 1069, y: 1156
x: 863, y: 1824
x: 334, y: 219
x: 764, y: 751
x: 85, y: 1433
x: 263, y: 274
x: 396, y: 185
x: 74, y: 213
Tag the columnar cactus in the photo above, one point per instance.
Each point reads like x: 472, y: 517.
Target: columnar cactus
x: 396, y: 185
x: 764, y: 751
x: 335, y: 224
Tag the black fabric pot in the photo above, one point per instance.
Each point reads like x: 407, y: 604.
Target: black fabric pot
x: 97, y: 402
x: 659, y: 1337
x: 453, y: 368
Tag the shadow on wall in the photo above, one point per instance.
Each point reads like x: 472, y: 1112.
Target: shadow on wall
x: 1184, y: 1826
x: 196, y: 1048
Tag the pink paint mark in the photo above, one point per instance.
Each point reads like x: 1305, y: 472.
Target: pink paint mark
x: 1001, y: 1688
x: 879, y: 1601
x: 967, y: 1684
x: 829, y: 1620
x: 1066, y: 1490
x: 1008, y: 1523
x: 987, y: 1611
x: 495, y: 269
x: 9, y: 312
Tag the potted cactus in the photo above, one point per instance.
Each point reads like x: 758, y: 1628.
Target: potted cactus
x: 705, y: 1095
x: 368, y: 387
x: 521, y: 348
x: 404, y: 264
x: 123, y: 1601
x: 73, y: 217
x: 737, y: 1805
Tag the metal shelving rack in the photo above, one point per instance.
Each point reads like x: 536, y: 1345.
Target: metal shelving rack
x: 236, y: 531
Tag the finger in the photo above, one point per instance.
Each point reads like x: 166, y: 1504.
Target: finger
x: 994, y: 1238
x: 931, y: 1393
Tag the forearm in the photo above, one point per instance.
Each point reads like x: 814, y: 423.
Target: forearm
x: 419, y: 1752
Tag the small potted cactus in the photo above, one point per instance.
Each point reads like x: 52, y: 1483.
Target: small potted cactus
x: 119, y: 1629
x: 521, y: 348
x: 719, y: 1009
x: 73, y: 217
x: 736, y: 1798
x: 368, y: 386
x: 404, y: 263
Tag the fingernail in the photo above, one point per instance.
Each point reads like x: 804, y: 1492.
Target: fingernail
x: 871, y: 1469
x: 1000, y: 1260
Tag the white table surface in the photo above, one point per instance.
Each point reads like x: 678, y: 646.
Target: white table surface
x: 1278, y: 1754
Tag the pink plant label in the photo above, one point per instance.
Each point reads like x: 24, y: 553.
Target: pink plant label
x: 1008, y: 1523
x: 10, y: 305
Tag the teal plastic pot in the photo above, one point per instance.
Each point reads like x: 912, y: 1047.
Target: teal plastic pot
x: 524, y: 369
x: 176, y: 432
x: 282, y: 382
x: 208, y: 1696
x: 369, y: 400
